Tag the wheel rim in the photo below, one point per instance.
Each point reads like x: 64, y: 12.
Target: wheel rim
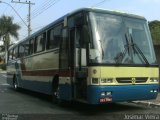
x: 56, y: 93
x: 15, y: 86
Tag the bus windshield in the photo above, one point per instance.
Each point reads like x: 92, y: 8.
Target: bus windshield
x: 119, y: 39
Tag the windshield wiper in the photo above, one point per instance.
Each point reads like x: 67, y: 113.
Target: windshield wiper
x: 120, y: 57
x: 138, y: 50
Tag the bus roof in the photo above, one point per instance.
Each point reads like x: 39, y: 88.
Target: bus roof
x: 79, y: 10
x: 115, y: 12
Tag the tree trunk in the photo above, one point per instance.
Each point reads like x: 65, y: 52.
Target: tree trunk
x: 6, y: 40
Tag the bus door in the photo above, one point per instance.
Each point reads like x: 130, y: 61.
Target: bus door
x: 65, y: 74
x: 78, y: 63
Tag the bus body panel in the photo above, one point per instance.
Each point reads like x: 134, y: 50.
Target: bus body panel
x: 123, y: 88
x: 65, y: 92
x: 121, y: 93
x: 37, y: 86
x: 116, y: 73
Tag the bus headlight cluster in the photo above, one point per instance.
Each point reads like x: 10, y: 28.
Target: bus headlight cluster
x: 107, y: 80
x: 102, y: 80
x: 153, y: 91
x: 109, y: 93
x: 154, y: 79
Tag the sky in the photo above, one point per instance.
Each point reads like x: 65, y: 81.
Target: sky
x: 47, y: 11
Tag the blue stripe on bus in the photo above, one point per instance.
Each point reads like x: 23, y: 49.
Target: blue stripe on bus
x: 44, y: 87
x: 37, y: 86
x: 121, y: 93
x: 65, y: 91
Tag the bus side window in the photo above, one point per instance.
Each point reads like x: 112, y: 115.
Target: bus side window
x: 31, y: 46
x: 16, y: 54
x: 57, y: 36
x: 10, y: 54
x: 54, y: 37
x: 26, y: 48
x: 64, y: 49
x: 13, y: 55
x: 50, y: 40
x: 40, y: 42
x: 21, y: 50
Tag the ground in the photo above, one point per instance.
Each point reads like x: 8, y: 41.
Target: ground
x: 26, y: 105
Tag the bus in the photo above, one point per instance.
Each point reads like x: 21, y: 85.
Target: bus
x: 91, y: 55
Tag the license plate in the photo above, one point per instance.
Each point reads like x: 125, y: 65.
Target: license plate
x: 103, y: 100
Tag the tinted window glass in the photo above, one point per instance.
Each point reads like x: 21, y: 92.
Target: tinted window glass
x: 64, y: 51
x: 21, y: 50
x: 26, y: 48
x: 31, y: 46
x: 40, y: 43
x: 16, y: 52
x: 54, y: 37
x: 10, y: 54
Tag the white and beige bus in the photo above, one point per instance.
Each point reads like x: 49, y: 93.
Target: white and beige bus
x: 91, y: 55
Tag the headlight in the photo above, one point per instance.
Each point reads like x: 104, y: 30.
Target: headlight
x: 103, y: 93
x: 155, y: 91
x: 107, y: 80
x: 108, y: 93
x: 154, y: 79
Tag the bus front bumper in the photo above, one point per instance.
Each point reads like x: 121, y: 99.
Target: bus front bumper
x: 110, y: 94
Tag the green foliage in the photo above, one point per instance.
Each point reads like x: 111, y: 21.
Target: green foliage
x: 7, y: 29
x: 155, y: 31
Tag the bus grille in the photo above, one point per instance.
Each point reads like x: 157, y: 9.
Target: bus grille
x: 130, y: 80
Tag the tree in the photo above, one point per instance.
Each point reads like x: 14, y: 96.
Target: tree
x: 8, y: 29
x: 155, y: 31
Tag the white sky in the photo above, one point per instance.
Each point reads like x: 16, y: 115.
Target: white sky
x: 147, y: 8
